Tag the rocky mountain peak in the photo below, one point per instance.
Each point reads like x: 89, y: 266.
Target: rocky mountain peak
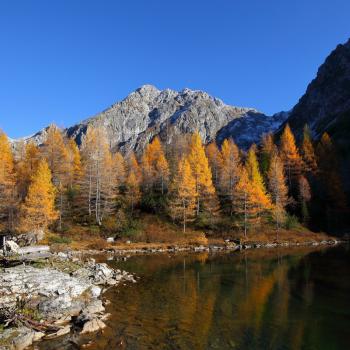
x: 326, y: 101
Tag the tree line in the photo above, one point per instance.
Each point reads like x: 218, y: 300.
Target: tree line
x: 187, y: 181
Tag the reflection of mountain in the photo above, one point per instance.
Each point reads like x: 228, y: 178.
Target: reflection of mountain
x: 250, y: 300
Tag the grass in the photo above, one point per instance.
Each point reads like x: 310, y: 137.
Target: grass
x: 152, y: 231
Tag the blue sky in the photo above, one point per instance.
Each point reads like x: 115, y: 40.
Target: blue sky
x: 64, y: 60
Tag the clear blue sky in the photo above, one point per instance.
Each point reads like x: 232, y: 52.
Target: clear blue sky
x: 64, y: 60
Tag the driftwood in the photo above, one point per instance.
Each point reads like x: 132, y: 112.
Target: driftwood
x: 15, y: 317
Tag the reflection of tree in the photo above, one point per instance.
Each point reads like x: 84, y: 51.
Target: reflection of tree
x: 249, y: 300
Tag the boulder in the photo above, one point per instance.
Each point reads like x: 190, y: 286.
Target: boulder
x: 12, y: 247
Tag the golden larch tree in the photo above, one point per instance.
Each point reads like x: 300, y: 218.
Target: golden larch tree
x: 290, y: 156
x: 56, y: 154
x: 206, y: 200
x: 98, y: 186
x: 304, y: 198
x: 308, y: 152
x: 38, y: 210
x: 267, y: 151
x: 214, y: 158
x: 132, y: 191
x: 256, y: 179
x: 7, y: 182
x: 246, y: 205
x: 278, y: 190
x: 229, y: 172
x: 183, y: 194
x: 155, y: 168
x: 27, y: 163
x: 119, y: 168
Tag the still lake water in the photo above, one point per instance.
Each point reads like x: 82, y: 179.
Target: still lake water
x: 261, y: 299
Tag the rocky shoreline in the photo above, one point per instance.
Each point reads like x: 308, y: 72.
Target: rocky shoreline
x: 228, y: 245
x: 51, y: 298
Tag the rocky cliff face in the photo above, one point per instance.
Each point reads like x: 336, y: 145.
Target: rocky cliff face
x: 326, y: 104
x: 148, y: 112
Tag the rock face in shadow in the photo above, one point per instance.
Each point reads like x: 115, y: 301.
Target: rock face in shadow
x: 325, y: 106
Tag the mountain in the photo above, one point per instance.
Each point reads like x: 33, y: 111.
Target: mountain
x: 325, y: 106
x: 147, y: 112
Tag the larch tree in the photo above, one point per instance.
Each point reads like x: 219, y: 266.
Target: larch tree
x: 308, y: 152
x: 257, y: 181
x: 246, y: 205
x: 155, y: 168
x: 229, y: 172
x: 133, y: 165
x: 98, y: 183
x: 267, y: 151
x: 214, y: 158
x: 207, y: 201
x: 119, y: 168
x: 183, y: 194
x: 304, y: 198
x: 7, y: 182
x: 132, y: 190
x: 38, y: 210
x: 278, y: 190
x: 163, y: 173
x: 55, y: 152
x: 74, y: 165
x: 290, y: 156
x: 27, y: 163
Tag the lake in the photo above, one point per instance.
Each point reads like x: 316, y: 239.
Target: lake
x: 256, y: 299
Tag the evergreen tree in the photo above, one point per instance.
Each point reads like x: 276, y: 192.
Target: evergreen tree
x: 331, y: 193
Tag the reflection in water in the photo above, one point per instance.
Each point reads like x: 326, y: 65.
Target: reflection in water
x: 250, y: 300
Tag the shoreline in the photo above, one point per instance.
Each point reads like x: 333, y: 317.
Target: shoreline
x: 153, y: 248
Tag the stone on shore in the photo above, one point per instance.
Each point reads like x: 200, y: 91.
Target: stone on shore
x: 93, y: 326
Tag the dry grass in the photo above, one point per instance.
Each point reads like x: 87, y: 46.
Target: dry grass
x: 156, y: 232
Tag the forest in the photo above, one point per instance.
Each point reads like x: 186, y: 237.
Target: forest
x: 278, y: 184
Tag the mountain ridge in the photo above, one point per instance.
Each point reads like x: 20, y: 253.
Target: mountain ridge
x: 147, y: 112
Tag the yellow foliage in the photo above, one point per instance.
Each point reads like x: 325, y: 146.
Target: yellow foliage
x: 201, y: 173
x: 38, y: 211
x: 183, y: 194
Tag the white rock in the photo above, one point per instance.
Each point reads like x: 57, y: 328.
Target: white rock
x: 12, y: 246
x: 93, y: 326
